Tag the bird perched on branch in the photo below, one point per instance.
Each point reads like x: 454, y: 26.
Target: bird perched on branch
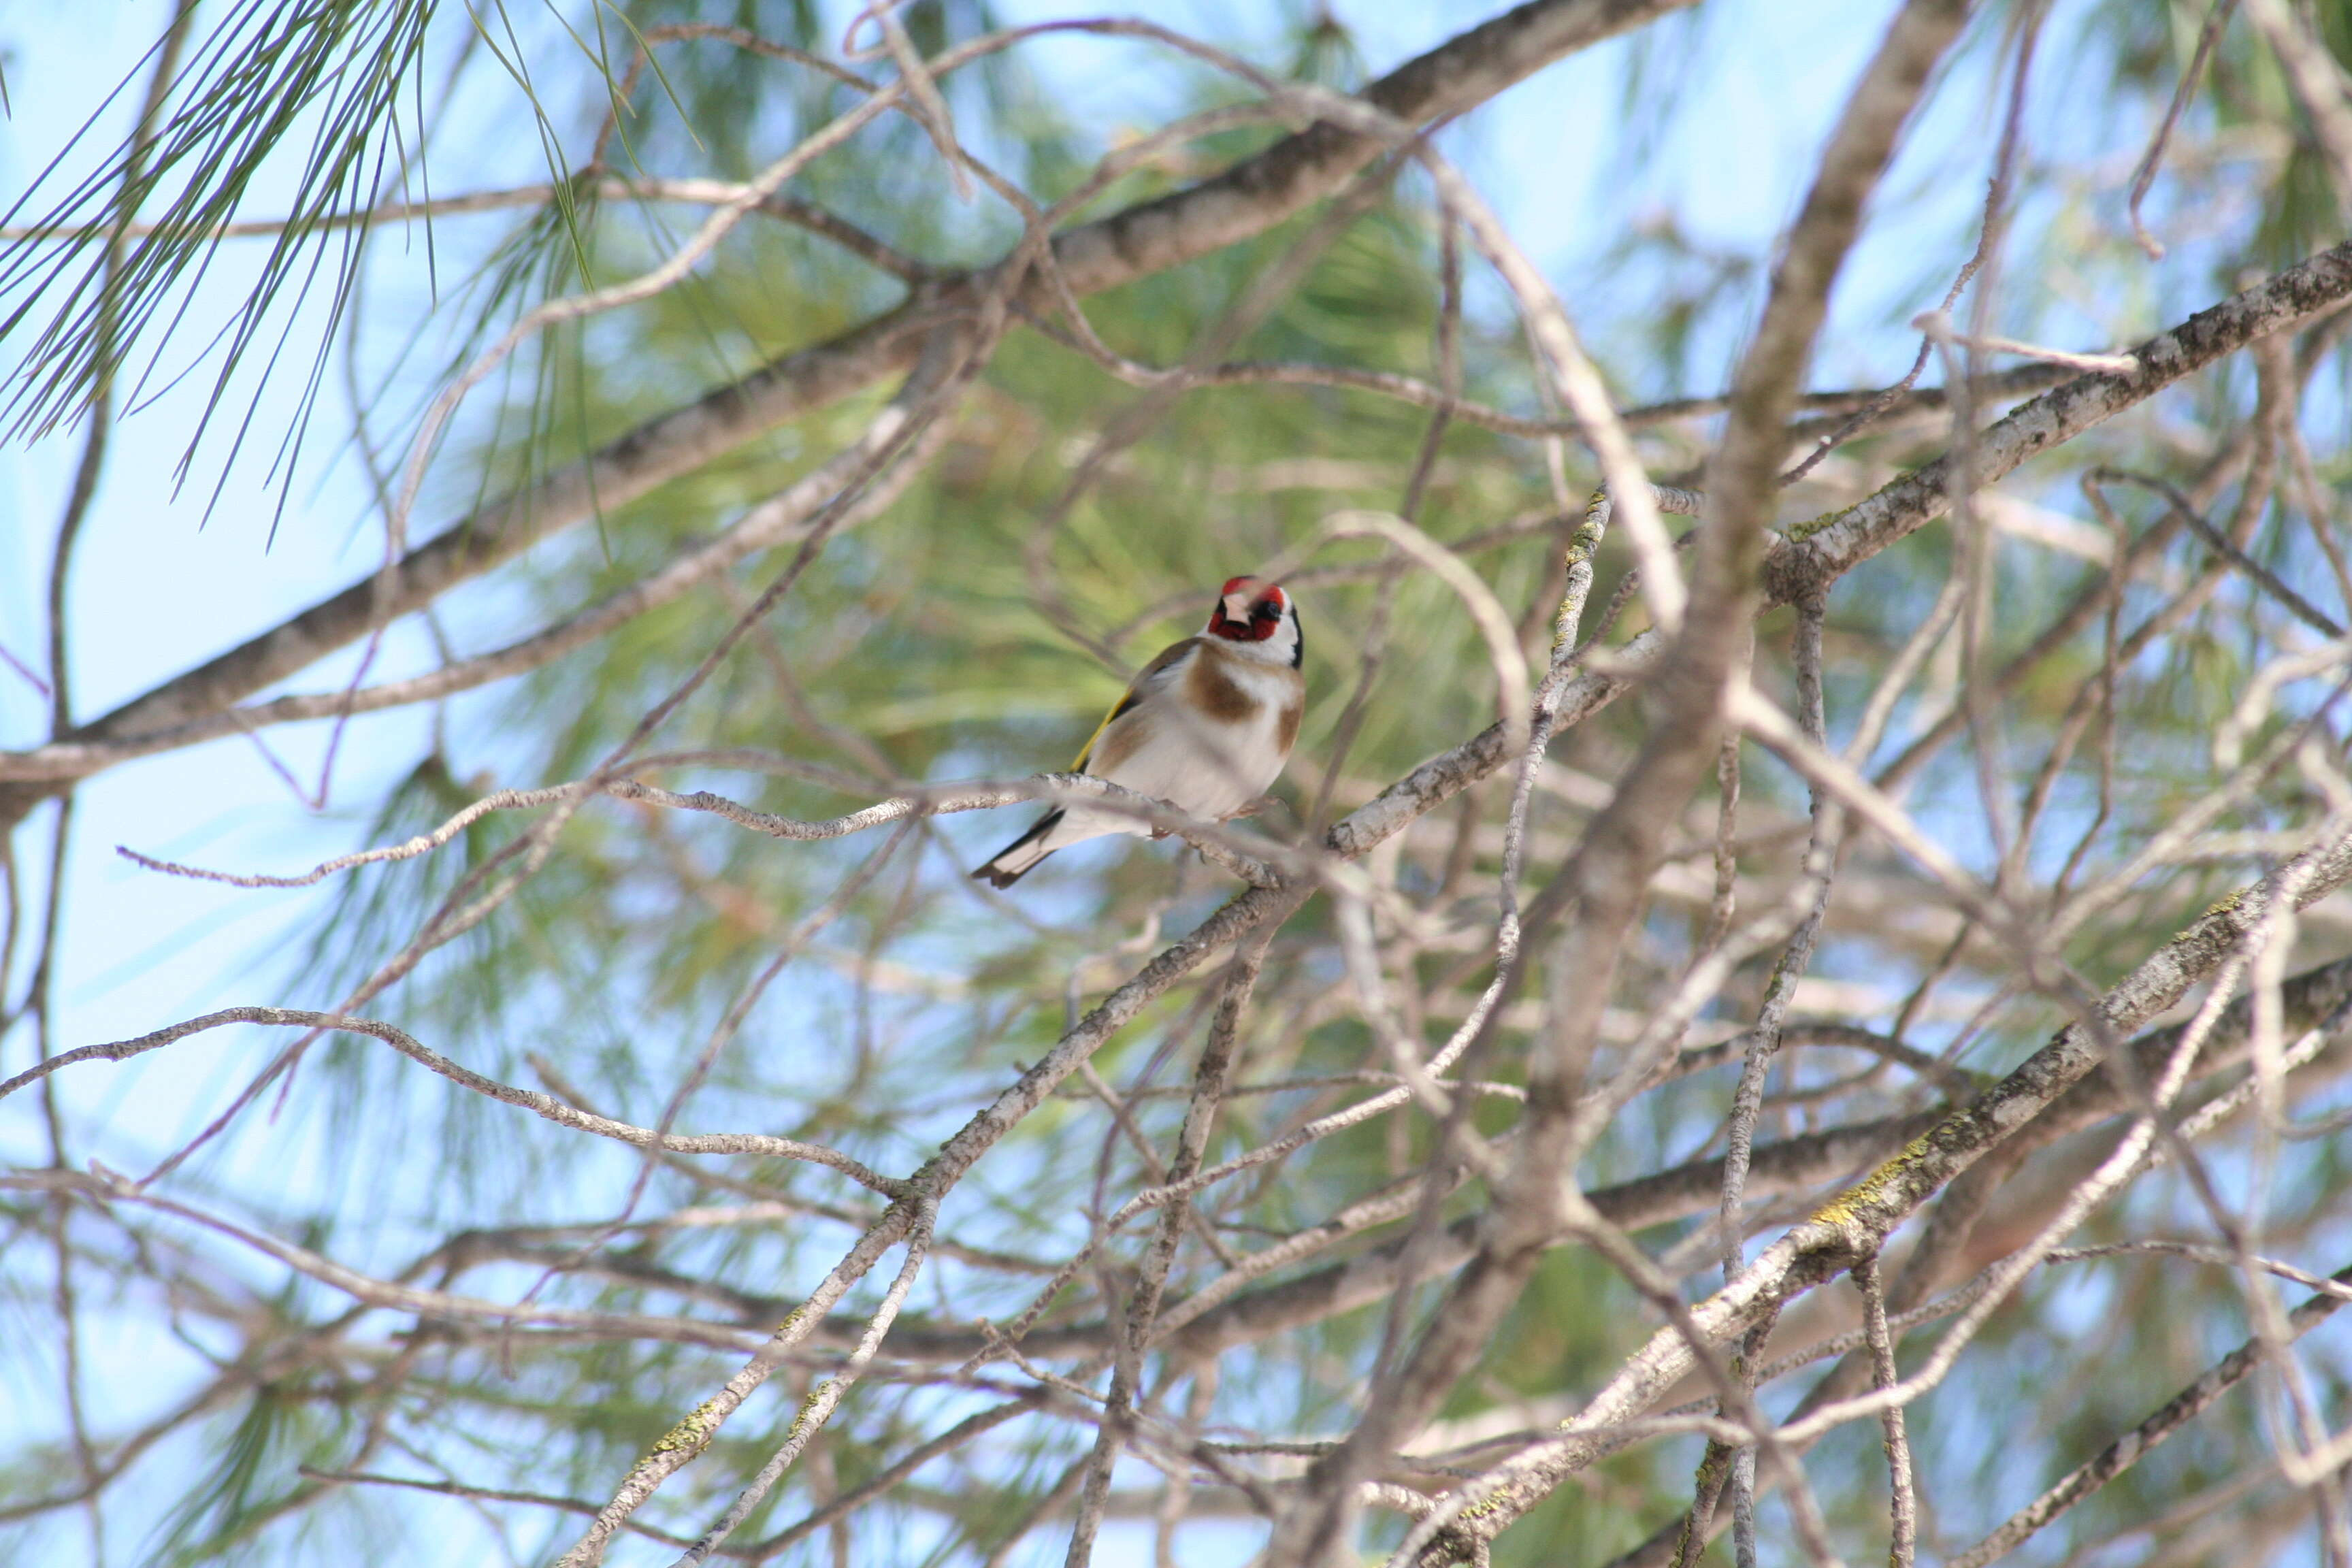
x: 1206, y: 727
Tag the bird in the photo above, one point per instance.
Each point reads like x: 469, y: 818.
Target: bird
x: 1206, y: 727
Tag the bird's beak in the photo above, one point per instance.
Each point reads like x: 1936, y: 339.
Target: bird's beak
x: 1237, y: 606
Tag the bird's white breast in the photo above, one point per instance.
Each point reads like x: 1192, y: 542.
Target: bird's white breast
x: 1208, y: 764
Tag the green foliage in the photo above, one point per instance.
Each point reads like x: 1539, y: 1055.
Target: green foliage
x: 262, y: 73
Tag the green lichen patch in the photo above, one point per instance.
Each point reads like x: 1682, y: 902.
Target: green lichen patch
x: 693, y: 1434
x: 1844, y: 1211
x: 1798, y: 531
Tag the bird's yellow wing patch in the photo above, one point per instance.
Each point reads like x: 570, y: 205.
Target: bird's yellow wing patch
x: 1121, y: 705
x: 1161, y: 660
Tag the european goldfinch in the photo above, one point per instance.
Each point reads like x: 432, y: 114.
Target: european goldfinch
x: 1206, y: 727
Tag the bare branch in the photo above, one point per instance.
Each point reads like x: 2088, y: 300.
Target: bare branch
x: 1813, y: 555
x: 553, y: 1110
x: 2135, y: 1445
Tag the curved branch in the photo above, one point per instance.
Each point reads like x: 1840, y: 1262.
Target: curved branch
x: 548, y: 1106
x: 109, y: 1187
x: 685, y: 192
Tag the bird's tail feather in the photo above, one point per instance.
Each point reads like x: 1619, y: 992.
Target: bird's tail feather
x: 1013, y: 861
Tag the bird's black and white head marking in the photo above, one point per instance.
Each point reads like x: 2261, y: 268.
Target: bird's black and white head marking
x: 1259, y: 619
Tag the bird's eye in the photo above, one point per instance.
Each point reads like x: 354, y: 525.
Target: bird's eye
x: 1265, y: 610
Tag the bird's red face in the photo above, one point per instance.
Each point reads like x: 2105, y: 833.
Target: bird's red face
x: 1249, y: 609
